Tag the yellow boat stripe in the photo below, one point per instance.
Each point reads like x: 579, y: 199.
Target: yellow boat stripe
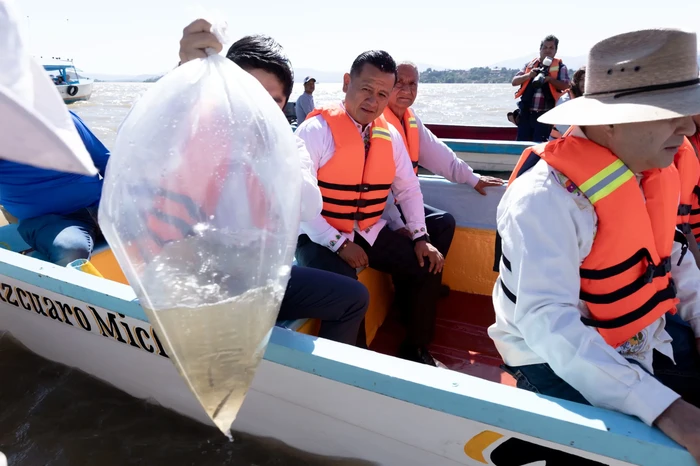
x: 610, y: 187
x: 598, y: 177
x: 475, y: 447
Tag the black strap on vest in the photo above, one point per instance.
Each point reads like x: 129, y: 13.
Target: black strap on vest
x: 652, y: 272
x: 357, y: 188
x: 668, y: 293
x: 355, y: 202
x: 530, y: 162
x: 680, y: 237
x: 351, y: 216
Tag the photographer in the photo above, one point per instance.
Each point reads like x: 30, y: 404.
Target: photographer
x: 542, y: 82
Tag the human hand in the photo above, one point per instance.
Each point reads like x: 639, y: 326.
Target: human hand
x: 196, y: 38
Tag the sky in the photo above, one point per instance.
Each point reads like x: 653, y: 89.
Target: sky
x: 134, y: 37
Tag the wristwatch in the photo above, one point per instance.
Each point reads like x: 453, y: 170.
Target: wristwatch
x: 425, y: 238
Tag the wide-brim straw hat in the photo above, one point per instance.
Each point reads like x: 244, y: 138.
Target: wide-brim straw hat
x: 36, y: 128
x: 640, y: 76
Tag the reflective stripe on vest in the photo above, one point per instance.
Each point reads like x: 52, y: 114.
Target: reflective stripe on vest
x: 408, y: 128
x: 553, y: 73
x: 355, y: 187
x: 625, y: 279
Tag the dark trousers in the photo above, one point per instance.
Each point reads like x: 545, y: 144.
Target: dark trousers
x: 391, y: 253
x: 529, y: 129
x: 682, y: 377
x: 339, y: 302
x: 441, y: 228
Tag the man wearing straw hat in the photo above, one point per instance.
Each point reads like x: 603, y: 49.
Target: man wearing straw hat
x: 595, y: 302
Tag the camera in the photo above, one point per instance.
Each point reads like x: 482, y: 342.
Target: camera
x: 542, y: 73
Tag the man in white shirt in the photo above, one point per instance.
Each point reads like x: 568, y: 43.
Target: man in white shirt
x: 579, y: 316
x: 426, y: 150
x: 340, y: 303
x: 305, y: 103
x: 355, y: 182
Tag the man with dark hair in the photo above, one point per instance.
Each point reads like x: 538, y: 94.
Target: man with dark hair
x: 340, y: 303
x: 305, y: 102
x: 359, y: 158
x: 542, y: 81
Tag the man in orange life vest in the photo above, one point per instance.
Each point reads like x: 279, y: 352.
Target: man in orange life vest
x: 359, y: 158
x: 537, y: 96
x: 429, y: 152
x: 340, y: 303
x: 595, y: 302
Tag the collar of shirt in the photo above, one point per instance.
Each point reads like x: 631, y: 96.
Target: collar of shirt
x: 363, y: 131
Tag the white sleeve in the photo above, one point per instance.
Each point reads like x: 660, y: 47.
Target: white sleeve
x: 687, y: 278
x: 406, y: 187
x: 311, y: 201
x: 438, y: 158
x: 543, y: 239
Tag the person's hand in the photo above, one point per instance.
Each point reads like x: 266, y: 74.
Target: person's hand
x: 681, y: 422
x: 534, y: 72
x: 425, y: 249
x: 196, y: 38
x: 404, y: 232
x: 487, y: 181
x: 354, y: 255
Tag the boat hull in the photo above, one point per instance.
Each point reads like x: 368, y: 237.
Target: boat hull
x: 324, y: 397
x: 84, y: 91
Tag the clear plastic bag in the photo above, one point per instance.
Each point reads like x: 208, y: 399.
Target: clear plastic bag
x: 201, y: 206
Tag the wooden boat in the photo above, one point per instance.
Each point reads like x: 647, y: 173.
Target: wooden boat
x: 334, y: 399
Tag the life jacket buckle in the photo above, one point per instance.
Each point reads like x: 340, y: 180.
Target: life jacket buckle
x: 660, y: 270
x: 358, y: 216
x: 684, y: 209
x: 361, y: 203
x: 685, y: 228
x: 364, y: 188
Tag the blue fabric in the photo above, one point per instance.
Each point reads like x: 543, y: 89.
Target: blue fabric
x: 27, y: 191
x: 61, y: 239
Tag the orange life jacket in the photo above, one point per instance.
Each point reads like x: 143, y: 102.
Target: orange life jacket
x: 409, y: 132
x: 686, y: 161
x: 553, y: 73
x: 192, y: 191
x: 625, y: 280
x: 355, y: 187
x: 694, y: 218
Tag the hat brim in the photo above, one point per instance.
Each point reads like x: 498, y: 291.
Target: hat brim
x: 635, y: 108
x: 42, y: 133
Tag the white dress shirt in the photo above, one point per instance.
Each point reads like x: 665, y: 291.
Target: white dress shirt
x: 436, y: 156
x: 311, y: 201
x: 319, y: 141
x: 547, y: 228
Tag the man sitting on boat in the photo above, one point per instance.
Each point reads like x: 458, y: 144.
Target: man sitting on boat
x: 340, y: 303
x: 57, y: 211
x: 359, y: 157
x: 542, y: 81
x: 595, y: 302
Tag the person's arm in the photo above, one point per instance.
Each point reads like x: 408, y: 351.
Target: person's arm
x: 311, y: 200
x: 545, y: 237
x: 522, y: 77
x: 392, y: 215
x: 98, y: 152
x: 562, y: 82
x: 406, y: 187
x: 687, y: 278
x: 315, y: 135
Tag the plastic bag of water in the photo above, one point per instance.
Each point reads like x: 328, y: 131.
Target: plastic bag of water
x: 201, y: 205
